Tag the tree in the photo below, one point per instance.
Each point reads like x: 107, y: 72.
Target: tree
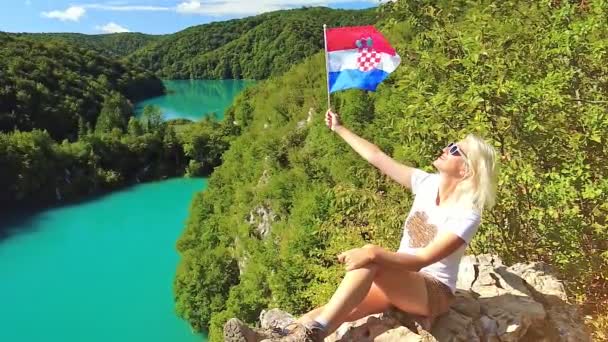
x: 82, y: 128
x: 134, y: 127
x: 114, y: 114
x: 59, y: 83
x: 152, y: 118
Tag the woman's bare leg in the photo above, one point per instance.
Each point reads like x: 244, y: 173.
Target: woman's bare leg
x: 374, y: 302
x: 311, y: 315
x: 369, y: 290
x: 350, y: 293
x: 405, y: 290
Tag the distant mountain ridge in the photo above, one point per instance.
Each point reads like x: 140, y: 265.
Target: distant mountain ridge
x: 113, y: 44
x: 55, y: 86
x: 250, y: 48
x: 255, y: 47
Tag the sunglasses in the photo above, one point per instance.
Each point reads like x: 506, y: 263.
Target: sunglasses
x: 454, y: 150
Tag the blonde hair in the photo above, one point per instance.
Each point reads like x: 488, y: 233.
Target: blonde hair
x: 478, y: 188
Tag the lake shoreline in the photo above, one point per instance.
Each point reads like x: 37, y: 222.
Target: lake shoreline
x: 70, y: 181
x: 99, y: 270
x: 12, y: 215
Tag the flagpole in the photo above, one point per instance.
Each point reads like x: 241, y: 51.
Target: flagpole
x: 326, y: 66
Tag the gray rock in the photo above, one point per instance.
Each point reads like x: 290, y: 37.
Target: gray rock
x: 275, y: 318
x: 564, y: 321
x: 399, y: 334
x: 261, y: 218
x: 466, y: 304
x: 494, y: 303
x: 366, y: 329
x: 514, y: 315
x: 538, y: 276
x: 467, y: 272
x: 455, y: 326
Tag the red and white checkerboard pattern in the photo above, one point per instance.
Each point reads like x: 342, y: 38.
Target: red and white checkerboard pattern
x: 368, y: 59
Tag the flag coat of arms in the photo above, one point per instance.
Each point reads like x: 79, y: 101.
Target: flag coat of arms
x: 358, y: 57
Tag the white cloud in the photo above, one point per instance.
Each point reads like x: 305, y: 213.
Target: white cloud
x: 248, y: 7
x: 123, y: 7
x: 112, y: 27
x: 202, y: 7
x: 226, y: 7
x: 72, y: 13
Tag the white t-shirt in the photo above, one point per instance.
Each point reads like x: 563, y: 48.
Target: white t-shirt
x: 426, y: 220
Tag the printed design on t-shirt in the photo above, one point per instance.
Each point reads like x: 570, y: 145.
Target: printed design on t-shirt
x: 420, y: 232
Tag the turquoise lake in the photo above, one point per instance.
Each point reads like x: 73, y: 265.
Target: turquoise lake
x: 194, y: 99
x: 101, y: 270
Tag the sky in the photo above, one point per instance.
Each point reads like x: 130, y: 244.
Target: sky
x: 147, y: 16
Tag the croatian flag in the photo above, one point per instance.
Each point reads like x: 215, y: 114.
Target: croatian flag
x: 358, y: 57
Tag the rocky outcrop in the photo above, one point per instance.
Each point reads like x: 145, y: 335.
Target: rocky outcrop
x: 261, y: 218
x: 303, y: 123
x: 523, y: 302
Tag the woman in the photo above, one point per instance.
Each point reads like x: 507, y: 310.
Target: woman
x: 420, y: 278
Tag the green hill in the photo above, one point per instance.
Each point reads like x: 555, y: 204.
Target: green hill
x: 251, y: 48
x: 532, y: 78
x: 112, y: 45
x: 53, y: 86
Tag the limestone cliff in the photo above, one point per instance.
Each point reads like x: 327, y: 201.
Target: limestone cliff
x: 523, y: 302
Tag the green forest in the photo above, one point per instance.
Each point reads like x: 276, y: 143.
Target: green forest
x: 112, y: 45
x: 68, y: 130
x: 37, y: 170
x: 255, y: 47
x: 531, y: 77
x: 251, y: 48
x: 67, y: 124
x: 57, y: 86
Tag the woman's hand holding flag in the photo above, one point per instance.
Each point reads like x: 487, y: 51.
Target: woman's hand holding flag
x: 332, y: 120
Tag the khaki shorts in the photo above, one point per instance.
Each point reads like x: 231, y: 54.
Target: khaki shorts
x: 440, y: 296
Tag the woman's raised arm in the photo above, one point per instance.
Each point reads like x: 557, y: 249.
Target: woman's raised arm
x: 402, y: 174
